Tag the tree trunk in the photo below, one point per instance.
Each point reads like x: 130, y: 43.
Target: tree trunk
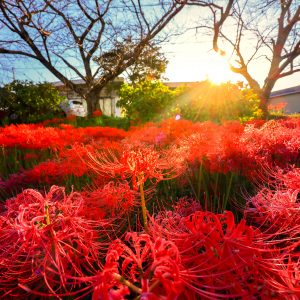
x: 263, y: 96
x: 264, y: 101
x: 92, y: 100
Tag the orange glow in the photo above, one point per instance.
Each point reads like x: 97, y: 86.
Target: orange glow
x: 218, y: 70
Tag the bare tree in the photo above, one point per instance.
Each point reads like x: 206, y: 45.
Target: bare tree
x: 249, y: 31
x: 80, y: 34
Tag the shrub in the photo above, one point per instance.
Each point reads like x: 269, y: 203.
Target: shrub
x: 210, y: 102
x: 27, y: 102
x: 146, y: 101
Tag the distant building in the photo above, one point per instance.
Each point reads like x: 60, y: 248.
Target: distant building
x: 176, y: 84
x: 108, y: 96
x: 290, y: 96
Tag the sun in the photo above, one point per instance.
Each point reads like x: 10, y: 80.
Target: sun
x: 212, y: 66
x: 218, y: 70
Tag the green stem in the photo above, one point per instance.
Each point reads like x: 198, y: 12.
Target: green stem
x: 127, y: 283
x: 191, y: 185
x: 200, y: 175
x: 150, y: 289
x: 48, y: 222
x: 143, y: 205
x: 228, y: 191
x: 215, y: 189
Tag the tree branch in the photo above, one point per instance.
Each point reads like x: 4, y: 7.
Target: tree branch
x: 17, y: 52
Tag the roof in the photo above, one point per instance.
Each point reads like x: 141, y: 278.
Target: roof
x: 284, y: 92
x: 181, y: 83
x: 80, y: 81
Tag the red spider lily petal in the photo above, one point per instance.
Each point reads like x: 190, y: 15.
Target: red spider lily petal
x: 184, y: 206
x: 107, y: 283
x: 149, y: 296
x: 114, y: 199
x: 46, y: 244
x: 108, y: 288
x: 97, y: 113
x: 136, y: 164
x: 276, y: 212
x: 289, y: 178
x: 36, y: 136
x: 218, y: 255
x: 153, y: 264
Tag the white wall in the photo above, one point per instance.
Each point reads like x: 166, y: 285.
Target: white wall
x: 293, y: 102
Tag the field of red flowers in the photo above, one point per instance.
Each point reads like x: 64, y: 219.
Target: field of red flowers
x: 175, y: 210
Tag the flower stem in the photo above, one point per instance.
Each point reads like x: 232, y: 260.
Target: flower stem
x: 143, y: 205
x: 127, y: 283
x: 48, y: 222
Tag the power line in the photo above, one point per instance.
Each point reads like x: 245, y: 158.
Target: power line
x: 78, y: 66
x: 121, y: 7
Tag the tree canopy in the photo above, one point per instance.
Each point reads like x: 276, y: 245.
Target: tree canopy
x: 78, y: 34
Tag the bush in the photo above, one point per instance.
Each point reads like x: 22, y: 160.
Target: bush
x: 210, y: 102
x: 27, y: 102
x: 103, y: 121
x: 146, y: 101
x: 153, y: 101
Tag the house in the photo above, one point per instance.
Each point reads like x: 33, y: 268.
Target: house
x: 108, y: 96
x: 290, y: 96
x: 176, y: 84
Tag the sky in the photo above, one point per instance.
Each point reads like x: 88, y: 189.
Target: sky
x: 194, y: 60
x: 190, y: 57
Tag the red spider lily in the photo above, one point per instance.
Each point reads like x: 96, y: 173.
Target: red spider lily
x: 149, y: 134
x: 274, y: 143
x: 138, y: 165
x: 221, y: 257
x: 185, y: 206
x: 227, y: 256
x: 45, y: 172
x: 279, y: 107
x: 275, y: 211
x: 39, y: 137
x: 46, y: 244
x: 29, y: 156
x: 108, y: 284
x: 113, y: 200
x: 52, y: 121
x: 281, y: 273
x: 69, y: 163
x: 145, y: 265
x: 289, y: 179
x: 97, y: 113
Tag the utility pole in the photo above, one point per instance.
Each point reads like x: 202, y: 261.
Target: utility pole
x: 14, y: 74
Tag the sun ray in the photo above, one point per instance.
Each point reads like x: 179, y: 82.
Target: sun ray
x: 218, y: 70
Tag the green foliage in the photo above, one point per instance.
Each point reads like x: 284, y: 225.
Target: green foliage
x: 146, y: 101
x: 27, y: 102
x: 105, y: 121
x: 248, y: 105
x: 227, y: 101
x: 148, y: 64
